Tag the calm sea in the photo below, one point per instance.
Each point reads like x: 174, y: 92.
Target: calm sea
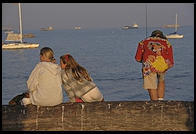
x: 108, y: 55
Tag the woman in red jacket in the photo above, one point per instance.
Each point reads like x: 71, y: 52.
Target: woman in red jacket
x: 156, y: 55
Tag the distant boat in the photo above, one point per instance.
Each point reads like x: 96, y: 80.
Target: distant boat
x: 134, y: 26
x: 126, y: 27
x: 47, y: 29
x: 175, y: 35
x: 171, y: 26
x: 8, y: 31
x: 77, y: 28
x: 14, y: 41
x: 30, y: 35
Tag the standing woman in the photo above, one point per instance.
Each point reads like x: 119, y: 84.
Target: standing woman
x: 45, y: 82
x: 78, y: 85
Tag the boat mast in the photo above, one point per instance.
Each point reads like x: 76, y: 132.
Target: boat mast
x: 176, y: 23
x: 20, y: 21
x: 146, y: 20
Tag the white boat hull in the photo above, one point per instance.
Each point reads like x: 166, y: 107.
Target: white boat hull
x: 16, y: 39
x: 19, y: 45
x: 129, y: 27
x: 174, y: 36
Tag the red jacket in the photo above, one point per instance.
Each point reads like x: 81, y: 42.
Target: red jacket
x: 154, y: 46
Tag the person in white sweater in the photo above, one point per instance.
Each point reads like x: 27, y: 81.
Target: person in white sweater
x: 44, y: 83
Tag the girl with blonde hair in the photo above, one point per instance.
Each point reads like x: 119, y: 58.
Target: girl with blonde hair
x: 44, y: 83
x: 78, y: 84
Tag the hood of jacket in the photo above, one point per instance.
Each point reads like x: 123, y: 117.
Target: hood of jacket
x: 51, y: 67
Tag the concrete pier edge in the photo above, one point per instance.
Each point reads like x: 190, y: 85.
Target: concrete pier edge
x: 101, y: 116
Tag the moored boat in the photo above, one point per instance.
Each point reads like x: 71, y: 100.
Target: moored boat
x: 47, y: 29
x: 19, y: 45
x: 175, y: 35
x: 15, y: 41
x: 134, y: 26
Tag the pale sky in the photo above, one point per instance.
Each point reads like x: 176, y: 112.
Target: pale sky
x: 95, y: 15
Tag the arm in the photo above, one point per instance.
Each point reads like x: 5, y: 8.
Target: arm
x: 170, y: 56
x: 139, y: 53
x: 32, y: 82
x: 67, y: 87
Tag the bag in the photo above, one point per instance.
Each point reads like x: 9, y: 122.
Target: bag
x: 159, y: 64
x: 17, y: 99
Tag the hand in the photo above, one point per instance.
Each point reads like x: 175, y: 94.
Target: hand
x: 27, y: 95
x: 170, y: 66
x: 53, y: 60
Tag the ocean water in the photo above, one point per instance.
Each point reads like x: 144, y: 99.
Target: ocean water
x: 108, y: 55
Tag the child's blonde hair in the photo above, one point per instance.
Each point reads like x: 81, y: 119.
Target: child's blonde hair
x: 48, y: 53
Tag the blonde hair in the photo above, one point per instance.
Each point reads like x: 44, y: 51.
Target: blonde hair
x: 48, y: 53
x: 77, y: 70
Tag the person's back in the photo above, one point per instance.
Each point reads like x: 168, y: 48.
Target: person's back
x: 79, y: 88
x: 156, y: 55
x: 45, y: 82
x: 77, y: 82
x: 156, y: 45
x: 48, y: 90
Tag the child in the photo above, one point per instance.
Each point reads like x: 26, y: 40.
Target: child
x: 78, y: 85
x: 44, y: 83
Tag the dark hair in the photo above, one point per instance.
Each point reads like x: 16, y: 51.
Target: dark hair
x: 158, y: 33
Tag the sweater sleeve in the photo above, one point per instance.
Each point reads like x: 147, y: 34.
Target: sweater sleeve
x: 139, y: 53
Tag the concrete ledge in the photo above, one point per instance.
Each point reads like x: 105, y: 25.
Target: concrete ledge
x: 106, y: 116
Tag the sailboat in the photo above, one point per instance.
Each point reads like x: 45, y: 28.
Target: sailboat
x: 175, y: 34
x: 14, y: 41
